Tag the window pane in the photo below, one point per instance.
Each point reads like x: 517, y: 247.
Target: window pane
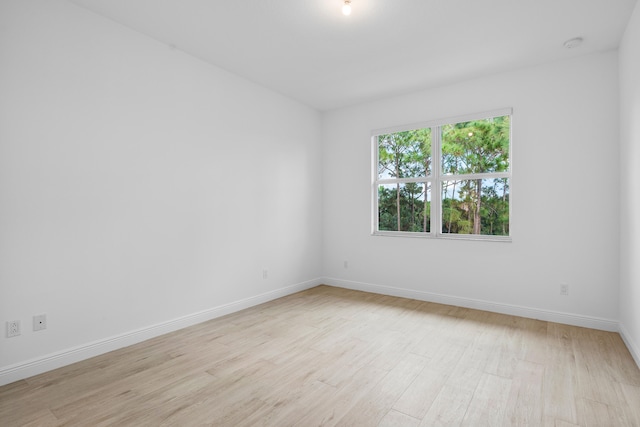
x: 404, y: 154
x: 479, y: 146
x: 478, y: 206
x: 402, y: 207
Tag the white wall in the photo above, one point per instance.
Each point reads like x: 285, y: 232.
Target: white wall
x: 139, y: 185
x: 565, y: 198
x: 630, y: 184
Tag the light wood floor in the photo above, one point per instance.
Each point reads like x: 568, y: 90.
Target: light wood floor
x: 331, y: 356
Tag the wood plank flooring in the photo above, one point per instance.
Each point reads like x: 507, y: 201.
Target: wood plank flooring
x: 330, y: 356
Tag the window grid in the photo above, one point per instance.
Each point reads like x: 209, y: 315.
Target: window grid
x: 437, y: 179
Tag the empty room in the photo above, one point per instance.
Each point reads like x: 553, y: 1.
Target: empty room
x: 320, y: 212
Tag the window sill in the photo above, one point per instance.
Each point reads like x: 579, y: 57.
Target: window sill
x: 444, y: 236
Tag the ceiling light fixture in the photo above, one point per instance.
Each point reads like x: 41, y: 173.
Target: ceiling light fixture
x: 346, y: 8
x: 571, y: 43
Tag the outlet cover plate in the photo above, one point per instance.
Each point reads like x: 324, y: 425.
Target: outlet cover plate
x: 40, y: 322
x: 13, y: 328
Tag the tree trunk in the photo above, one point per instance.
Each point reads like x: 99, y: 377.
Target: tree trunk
x: 476, y: 214
x: 398, y: 205
x: 504, y: 198
x: 425, y: 217
x: 413, y: 210
x: 451, y: 207
x: 399, y: 222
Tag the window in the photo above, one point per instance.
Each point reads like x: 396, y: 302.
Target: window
x: 446, y: 178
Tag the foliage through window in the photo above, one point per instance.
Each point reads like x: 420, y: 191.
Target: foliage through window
x: 465, y: 191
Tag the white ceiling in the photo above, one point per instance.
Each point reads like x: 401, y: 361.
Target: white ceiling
x: 309, y: 51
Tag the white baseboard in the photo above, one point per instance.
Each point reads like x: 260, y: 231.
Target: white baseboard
x: 633, y: 347
x: 46, y: 363
x: 514, y: 310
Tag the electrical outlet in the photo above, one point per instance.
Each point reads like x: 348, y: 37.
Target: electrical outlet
x: 265, y: 274
x: 13, y: 328
x: 346, y: 264
x: 40, y: 322
x: 564, y: 289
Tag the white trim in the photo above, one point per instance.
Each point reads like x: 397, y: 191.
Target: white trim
x: 29, y: 368
x: 514, y: 310
x: 424, y: 179
x: 475, y: 237
x: 436, y: 180
x: 435, y: 211
x: 444, y: 121
x: 473, y: 176
x: 632, y: 346
x: 450, y: 236
x: 39, y: 365
x: 374, y: 184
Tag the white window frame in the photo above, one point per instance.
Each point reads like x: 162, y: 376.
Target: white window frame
x: 436, y: 178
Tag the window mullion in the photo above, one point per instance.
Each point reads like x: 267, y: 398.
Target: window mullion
x: 404, y: 180
x: 436, y: 183
x: 375, y: 181
x: 469, y: 176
